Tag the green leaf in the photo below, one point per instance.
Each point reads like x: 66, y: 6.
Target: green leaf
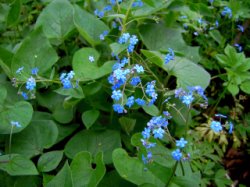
x: 233, y: 89
x: 3, y: 95
x: 74, y: 92
x: 49, y: 161
x: 133, y: 170
x: 35, y: 51
x: 186, y: 181
x: 152, y: 37
x: 88, y: 25
x: 117, y: 48
x: 21, y: 112
x: 56, y: 20
x: 216, y: 35
x: 89, y: 117
x: 62, y: 114
x: 39, y: 135
x: 94, y: 142
x: 14, y: 13
x: 151, y: 110
x: 186, y: 72
x: 63, y: 178
x: 127, y: 124
x: 245, y: 86
x: 82, y: 172
x: 17, y: 165
x: 5, y: 61
x: 86, y: 70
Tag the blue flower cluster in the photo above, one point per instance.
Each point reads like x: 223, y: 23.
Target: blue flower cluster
x: 132, y: 40
x: 66, y: 79
x: 155, y: 127
x: 189, y: 96
x: 227, y: 12
x: 101, y: 13
x: 170, y: 56
x: 177, y: 154
x: 217, y: 127
x: 103, y: 35
x: 31, y: 83
x: 137, y: 3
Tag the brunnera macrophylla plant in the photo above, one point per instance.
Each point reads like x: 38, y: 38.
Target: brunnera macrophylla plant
x: 110, y: 84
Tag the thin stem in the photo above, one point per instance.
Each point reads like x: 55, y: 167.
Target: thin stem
x: 11, y: 130
x: 186, y: 124
x: 179, y: 113
x: 172, y: 175
x: 126, y: 16
x: 182, y: 169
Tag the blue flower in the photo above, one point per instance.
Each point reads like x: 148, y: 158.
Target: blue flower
x: 135, y: 80
x: 170, y: 56
x: 227, y: 12
x: 34, y: 71
x: 31, y: 83
x: 121, y: 74
x: 130, y: 101
x: 216, y: 126
x: 187, y: 99
x: 98, y: 13
x: 139, y: 68
x: 137, y: 3
x: 118, y: 108
x: 15, y: 124
x: 19, y: 70
x: 140, y: 102
x: 91, y: 59
x: 158, y: 133
x: 124, y: 38
x: 177, y: 155
x: 132, y: 42
x: 181, y: 143
x: 146, y: 133
x: 239, y: 47
x: 240, y: 28
x: 116, y: 95
x: 107, y: 8
x: 66, y: 78
x: 231, y: 127
x: 103, y: 35
x: 25, y: 95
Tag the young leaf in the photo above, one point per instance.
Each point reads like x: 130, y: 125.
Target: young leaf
x: 89, y: 117
x: 49, y: 161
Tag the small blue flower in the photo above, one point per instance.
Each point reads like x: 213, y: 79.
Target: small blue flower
x: 217, y: 23
x: 146, y: 133
x: 118, y: 108
x: 216, y: 126
x: 91, y: 59
x: 227, y: 12
x: 181, y: 143
x: 15, y: 124
x: 187, y: 99
x: 139, y: 68
x: 130, y: 101
x: 124, y: 38
x: 158, y: 133
x: 34, y: 71
x: 240, y: 28
x: 116, y: 95
x: 231, y: 127
x: 239, y: 47
x: 25, y: 95
x: 135, y: 80
x: 103, y: 35
x: 140, y: 102
x: 66, y: 78
x: 31, y: 83
x: 170, y: 56
x: 98, y: 13
x: 177, y: 155
x: 19, y: 70
x: 137, y: 3
x: 107, y: 8
x: 114, y: 24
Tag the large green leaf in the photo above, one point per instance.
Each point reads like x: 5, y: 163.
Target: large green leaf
x: 82, y: 172
x: 133, y: 169
x: 94, y: 142
x: 49, y: 161
x: 89, y: 26
x: 186, y: 72
x: 63, y: 178
x: 158, y: 37
x: 17, y: 165
x: 19, y: 112
x: 39, y: 135
x: 56, y: 20
x: 35, y: 51
x: 86, y: 70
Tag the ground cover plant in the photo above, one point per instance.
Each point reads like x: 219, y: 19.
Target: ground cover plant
x: 124, y: 93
